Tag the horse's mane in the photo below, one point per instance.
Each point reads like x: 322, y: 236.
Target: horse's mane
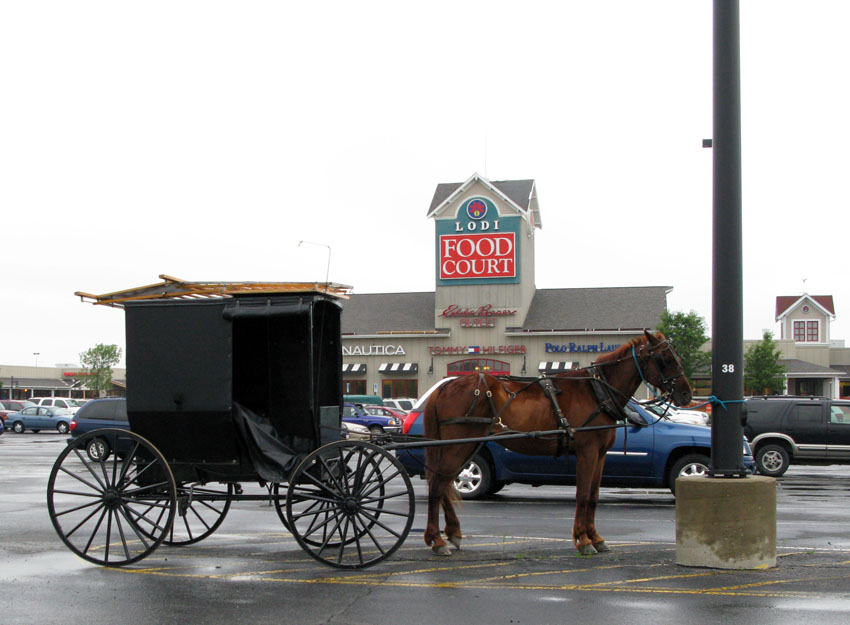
x: 623, y: 350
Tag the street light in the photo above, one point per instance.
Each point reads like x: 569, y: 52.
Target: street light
x: 328, y: 271
x: 36, y: 357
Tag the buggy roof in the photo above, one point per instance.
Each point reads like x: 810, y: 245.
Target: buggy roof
x: 175, y: 288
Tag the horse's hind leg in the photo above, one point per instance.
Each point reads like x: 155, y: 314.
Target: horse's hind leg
x: 452, y: 520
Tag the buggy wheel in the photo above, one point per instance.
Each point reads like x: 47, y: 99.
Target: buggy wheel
x: 115, y: 510
x: 350, y: 504
x: 201, y: 509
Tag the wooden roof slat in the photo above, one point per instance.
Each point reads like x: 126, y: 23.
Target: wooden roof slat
x: 175, y: 288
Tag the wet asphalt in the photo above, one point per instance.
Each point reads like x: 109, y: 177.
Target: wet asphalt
x: 516, y: 564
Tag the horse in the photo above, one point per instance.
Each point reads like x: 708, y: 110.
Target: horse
x: 579, y: 410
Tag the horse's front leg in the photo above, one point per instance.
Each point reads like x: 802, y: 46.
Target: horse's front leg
x: 585, y: 472
x: 596, y: 540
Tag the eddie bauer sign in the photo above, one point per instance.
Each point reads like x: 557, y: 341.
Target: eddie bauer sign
x: 481, y: 317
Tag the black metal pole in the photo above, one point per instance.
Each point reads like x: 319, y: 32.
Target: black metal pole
x: 727, y: 457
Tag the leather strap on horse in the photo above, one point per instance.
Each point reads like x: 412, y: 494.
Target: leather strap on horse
x: 496, y: 419
x: 551, y: 392
x: 605, y: 401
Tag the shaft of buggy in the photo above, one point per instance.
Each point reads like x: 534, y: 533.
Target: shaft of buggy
x: 427, y: 442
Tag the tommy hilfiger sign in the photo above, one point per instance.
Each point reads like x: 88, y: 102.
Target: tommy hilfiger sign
x: 478, y: 349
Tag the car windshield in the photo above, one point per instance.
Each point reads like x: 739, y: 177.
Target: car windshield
x: 74, y: 403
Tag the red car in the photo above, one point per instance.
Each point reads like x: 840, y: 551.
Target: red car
x: 383, y: 411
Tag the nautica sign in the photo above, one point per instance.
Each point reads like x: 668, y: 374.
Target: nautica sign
x: 373, y: 350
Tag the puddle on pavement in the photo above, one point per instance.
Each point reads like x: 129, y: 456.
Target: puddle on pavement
x: 14, y: 566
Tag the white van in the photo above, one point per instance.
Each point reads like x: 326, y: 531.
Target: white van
x: 59, y: 402
x: 400, y: 403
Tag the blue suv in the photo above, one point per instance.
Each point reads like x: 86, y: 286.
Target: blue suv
x: 652, y: 454
x: 97, y: 414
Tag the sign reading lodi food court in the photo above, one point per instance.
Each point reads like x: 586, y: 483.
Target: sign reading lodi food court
x: 478, y: 246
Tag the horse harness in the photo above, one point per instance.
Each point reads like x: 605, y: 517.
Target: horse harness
x: 605, y: 401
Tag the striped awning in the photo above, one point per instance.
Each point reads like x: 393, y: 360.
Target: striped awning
x: 390, y: 368
x: 354, y: 368
x: 556, y: 366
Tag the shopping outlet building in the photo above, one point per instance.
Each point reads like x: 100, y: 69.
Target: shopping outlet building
x: 486, y: 313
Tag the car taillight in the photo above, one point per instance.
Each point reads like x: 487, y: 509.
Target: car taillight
x: 409, y: 419
x: 72, y: 425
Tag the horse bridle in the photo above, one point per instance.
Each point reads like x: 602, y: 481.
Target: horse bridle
x: 654, y: 355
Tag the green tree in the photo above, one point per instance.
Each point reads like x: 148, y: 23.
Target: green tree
x: 688, y: 334
x: 97, y: 362
x: 763, y: 373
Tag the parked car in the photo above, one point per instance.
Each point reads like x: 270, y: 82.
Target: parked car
x: 37, y: 418
x: 8, y: 406
x: 96, y: 414
x: 59, y: 402
x: 377, y: 424
x: 385, y: 412
x: 785, y: 430
x: 679, y: 415
x: 355, y: 432
x: 653, y: 454
x: 373, y: 400
x: 401, y: 403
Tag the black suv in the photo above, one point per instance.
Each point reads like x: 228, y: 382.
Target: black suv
x: 804, y: 430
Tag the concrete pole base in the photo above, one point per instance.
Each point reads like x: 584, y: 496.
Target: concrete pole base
x: 726, y: 523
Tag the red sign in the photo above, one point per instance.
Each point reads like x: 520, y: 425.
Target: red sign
x: 467, y: 256
x: 482, y: 311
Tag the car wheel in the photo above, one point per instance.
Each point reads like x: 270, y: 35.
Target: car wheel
x: 692, y: 464
x: 62, y: 427
x: 18, y: 427
x: 772, y: 460
x: 475, y: 480
x: 97, y: 450
x: 376, y: 430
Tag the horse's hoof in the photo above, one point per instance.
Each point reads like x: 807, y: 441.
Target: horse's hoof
x: 455, y: 540
x: 601, y: 547
x: 586, y: 550
x: 442, y: 550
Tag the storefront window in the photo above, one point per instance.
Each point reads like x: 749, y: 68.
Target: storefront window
x: 399, y: 388
x: 474, y: 365
x: 354, y: 387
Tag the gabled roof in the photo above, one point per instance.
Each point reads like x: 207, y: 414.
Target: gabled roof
x: 618, y: 308
x: 613, y: 308
x: 521, y: 194
x: 784, y: 303
x: 797, y: 367
x: 370, y: 313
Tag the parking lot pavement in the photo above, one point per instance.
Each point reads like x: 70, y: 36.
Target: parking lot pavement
x: 517, y: 565
x: 508, y: 563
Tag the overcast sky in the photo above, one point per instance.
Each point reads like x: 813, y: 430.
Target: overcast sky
x: 205, y: 139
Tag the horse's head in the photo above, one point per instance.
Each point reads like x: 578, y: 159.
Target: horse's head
x: 661, y: 366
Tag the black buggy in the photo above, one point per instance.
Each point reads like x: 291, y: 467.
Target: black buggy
x: 229, y: 384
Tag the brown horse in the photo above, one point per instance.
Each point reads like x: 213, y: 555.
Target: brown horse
x: 590, y: 402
